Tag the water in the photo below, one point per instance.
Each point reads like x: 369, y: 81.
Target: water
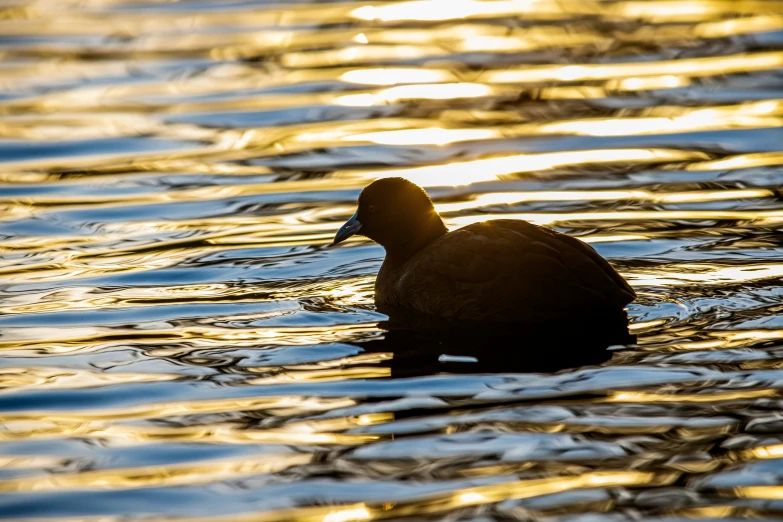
x: 180, y: 342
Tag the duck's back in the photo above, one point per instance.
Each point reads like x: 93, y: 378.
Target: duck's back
x: 508, y: 271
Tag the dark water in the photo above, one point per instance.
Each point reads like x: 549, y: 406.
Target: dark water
x: 178, y: 341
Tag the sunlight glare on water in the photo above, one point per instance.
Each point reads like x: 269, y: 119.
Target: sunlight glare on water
x: 179, y: 342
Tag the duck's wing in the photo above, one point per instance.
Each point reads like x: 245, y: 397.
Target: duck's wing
x: 623, y: 290
x: 510, y: 271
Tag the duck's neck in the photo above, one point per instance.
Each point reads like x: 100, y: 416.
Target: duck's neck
x: 405, y: 246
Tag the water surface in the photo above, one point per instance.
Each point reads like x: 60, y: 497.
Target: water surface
x: 179, y: 341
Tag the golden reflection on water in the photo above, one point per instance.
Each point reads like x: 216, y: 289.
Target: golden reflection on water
x: 461, y: 498
x: 771, y: 217
x: 396, y: 75
x: 646, y: 397
x: 725, y: 339
x: 763, y: 492
x: 325, y: 375
x: 31, y: 461
x: 511, y: 198
x: 442, y: 91
x: 347, y: 292
x: 85, y: 340
x: 123, y: 435
x: 291, y: 405
x: 439, y: 10
x: 658, y: 120
x: 706, y: 274
x: 429, y: 136
x: 480, y: 495
x: 155, y: 476
x: 361, y: 54
x: 772, y: 451
x: 694, y: 68
x: 652, y: 121
x: 740, y: 161
x: 668, y: 81
x: 488, y: 169
x: 39, y: 378
x: 757, y: 115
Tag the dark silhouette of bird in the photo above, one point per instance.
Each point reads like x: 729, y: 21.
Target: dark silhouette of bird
x: 502, y: 272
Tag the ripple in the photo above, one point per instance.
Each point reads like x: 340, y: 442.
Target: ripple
x: 180, y: 341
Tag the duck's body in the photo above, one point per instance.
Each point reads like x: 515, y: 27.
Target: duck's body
x: 503, y: 271
x: 500, y: 271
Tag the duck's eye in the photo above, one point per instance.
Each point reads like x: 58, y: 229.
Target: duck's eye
x: 371, y: 208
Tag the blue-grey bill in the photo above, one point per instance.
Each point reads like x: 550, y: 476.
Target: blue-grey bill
x: 351, y: 227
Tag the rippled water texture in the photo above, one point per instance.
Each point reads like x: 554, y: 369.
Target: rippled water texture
x: 179, y: 341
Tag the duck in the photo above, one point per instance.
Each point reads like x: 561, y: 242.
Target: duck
x: 500, y: 271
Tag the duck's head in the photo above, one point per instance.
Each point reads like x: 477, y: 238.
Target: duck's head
x: 396, y: 214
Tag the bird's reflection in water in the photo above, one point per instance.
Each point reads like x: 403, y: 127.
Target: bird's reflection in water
x: 426, y: 346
